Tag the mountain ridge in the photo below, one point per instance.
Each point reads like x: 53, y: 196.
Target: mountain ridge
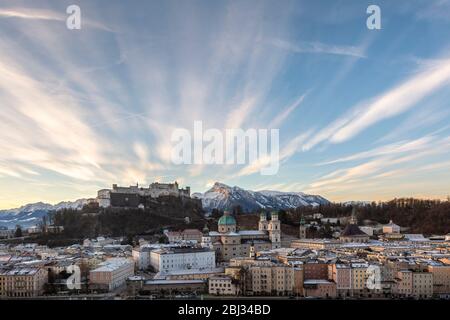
x: 224, y: 197
x: 220, y: 196
x: 30, y: 214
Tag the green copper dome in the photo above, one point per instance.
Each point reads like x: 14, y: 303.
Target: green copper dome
x: 302, y: 220
x: 227, y: 220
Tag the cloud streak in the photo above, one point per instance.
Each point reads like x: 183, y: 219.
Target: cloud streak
x: 318, y: 47
x: 389, y: 104
x: 283, y: 115
x: 46, y: 15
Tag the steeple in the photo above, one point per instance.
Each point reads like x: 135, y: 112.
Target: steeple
x: 302, y: 228
x: 205, y: 229
x: 262, y: 216
x: 302, y: 220
x: 353, y: 219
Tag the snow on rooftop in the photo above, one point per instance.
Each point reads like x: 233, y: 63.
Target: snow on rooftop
x: 174, y: 281
x: 112, y: 264
x: 316, y: 281
x: 251, y: 232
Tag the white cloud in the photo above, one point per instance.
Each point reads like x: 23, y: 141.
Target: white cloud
x: 387, y: 105
x: 32, y: 14
x: 47, y: 15
x: 318, y: 47
x: 279, y: 118
x: 390, y: 149
x: 237, y: 116
x: 395, y: 101
x: 402, y: 162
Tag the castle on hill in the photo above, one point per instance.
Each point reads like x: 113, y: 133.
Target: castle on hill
x: 135, y: 196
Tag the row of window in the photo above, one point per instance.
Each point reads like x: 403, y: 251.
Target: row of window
x: 220, y: 285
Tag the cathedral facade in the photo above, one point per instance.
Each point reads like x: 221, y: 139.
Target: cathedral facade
x: 229, y: 242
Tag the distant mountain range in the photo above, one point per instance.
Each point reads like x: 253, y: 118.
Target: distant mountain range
x: 220, y: 196
x: 31, y: 214
x: 224, y: 197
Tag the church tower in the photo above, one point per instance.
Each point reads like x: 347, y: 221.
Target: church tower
x: 252, y: 251
x: 275, y: 230
x: 263, y: 224
x: 353, y: 219
x: 302, y: 228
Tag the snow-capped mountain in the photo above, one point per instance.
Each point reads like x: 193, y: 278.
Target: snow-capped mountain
x: 31, y: 214
x: 224, y: 197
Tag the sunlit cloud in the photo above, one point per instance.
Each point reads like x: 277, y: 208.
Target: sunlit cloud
x: 46, y: 15
x: 84, y: 109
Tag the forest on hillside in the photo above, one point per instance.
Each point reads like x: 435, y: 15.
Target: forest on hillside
x: 166, y: 212
x: 419, y: 216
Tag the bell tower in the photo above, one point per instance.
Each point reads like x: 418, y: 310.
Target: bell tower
x: 302, y: 230
x: 275, y: 230
x: 263, y: 224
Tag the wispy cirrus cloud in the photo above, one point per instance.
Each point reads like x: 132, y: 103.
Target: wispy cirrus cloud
x: 399, y: 161
x: 289, y: 149
x: 284, y: 114
x: 318, y: 47
x: 395, y: 101
x: 47, y: 15
x: 389, y: 104
x: 390, y: 149
x: 32, y: 14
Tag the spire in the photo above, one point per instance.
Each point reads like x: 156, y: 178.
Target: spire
x: 302, y: 220
x: 274, y: 216
x: 353, y: 219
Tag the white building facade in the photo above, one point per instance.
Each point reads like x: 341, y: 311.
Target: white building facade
x: 172, y: 259
x: 112, y: 273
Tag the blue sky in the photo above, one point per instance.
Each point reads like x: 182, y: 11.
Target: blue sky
x: 363, y: 114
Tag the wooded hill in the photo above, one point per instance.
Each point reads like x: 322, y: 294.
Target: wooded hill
x: 163, y: 212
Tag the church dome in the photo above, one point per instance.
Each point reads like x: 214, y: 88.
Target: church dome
x: 227, y: 220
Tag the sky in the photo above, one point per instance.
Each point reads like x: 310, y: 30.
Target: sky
x: 362, y: 114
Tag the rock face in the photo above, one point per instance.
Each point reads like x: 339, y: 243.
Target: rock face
x: 224, y: 197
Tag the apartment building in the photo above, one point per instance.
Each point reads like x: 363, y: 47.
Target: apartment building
x: 270, y: 280
x: 341, y: 274
x: 298, y: 280
x: 422, y: 284
x: 441, y: 278
x: 320, y: 288
x: 22, y: 282
x: 223, y: 285
x: 359, y: 278
x: 111, y: 274
x: 141, y: 257
x: 413, y: 283
x: 315, y: 270
x: 185, y: 235
x: 263, y: 277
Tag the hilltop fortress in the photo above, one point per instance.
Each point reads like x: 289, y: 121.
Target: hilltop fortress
x: 135, y: 196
